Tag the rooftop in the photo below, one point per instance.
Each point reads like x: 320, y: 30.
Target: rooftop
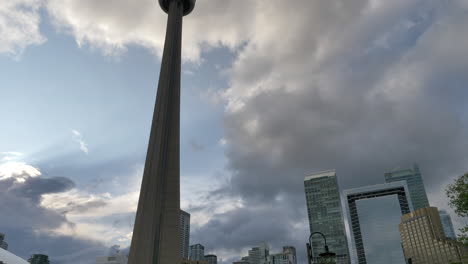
x: 327, y: 173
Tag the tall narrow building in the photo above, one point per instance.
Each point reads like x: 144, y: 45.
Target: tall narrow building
x: 413, y: 178
x: 184, y: 234
x: 325, y: 214
x: 447, y: 224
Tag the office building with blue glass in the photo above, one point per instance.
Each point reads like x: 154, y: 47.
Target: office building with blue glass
x: 325, y: 214
x: 415, y: 183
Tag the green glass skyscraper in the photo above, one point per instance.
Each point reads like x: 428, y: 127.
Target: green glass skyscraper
x: 325, y: 214
x: 415, y: 183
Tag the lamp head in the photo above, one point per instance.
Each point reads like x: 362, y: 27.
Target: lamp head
x: 188, y: 5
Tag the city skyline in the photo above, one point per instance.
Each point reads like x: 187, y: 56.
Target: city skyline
x: 271, y: 91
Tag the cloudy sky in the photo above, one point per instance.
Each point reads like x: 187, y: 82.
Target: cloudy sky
x: 271, y: 91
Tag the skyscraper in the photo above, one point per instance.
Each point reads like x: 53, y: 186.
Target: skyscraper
x: 156, y: 231
x: 197, y: 252
x: 211, y: 259
x: 413, y: 178
x: 3, y: 244
x: 289, y: 255
x: 258, y: 255
x: 184, y: 234
x: 39, y: 259
x: 325, y: 214
x: 424, y: 242
x: 447, y: 224
x: 388, y: 233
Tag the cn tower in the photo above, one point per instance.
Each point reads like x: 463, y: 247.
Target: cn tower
x: 156, y: 232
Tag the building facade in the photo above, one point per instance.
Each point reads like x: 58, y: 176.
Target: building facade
x: 325, y: 214
x: 184, y: 234
x: 258, y: 255
x: 3, y: 244
x: 289, y: 255
x: 275, y: 258
x: 39, y: 259
x: 447, y: 224
x: 413, y: 178
x: 424, y: 242
x: 197, y: 252
x: 211, y: 259
x: 400, y: 189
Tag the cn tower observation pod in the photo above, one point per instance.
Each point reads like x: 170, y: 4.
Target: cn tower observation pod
x: 188, y: 5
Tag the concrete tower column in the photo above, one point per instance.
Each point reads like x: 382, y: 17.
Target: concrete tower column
x: 156, y: 232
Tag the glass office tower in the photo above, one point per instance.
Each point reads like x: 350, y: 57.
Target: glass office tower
x: 325, y: 214
x: 413, y: 178
x: 447, y: 224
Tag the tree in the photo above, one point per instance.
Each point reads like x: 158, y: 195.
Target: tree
x: 457, y: 193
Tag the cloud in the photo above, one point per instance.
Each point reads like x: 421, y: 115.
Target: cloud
x: 112, y: 25
x: 19, y: 26
x: 79, y: 139
x: 19, y: 171
x: 26, y: 219
x: 52, y: 216
x: 359, y: 86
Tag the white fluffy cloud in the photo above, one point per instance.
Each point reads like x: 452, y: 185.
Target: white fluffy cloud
x: 112, y: 25
x: 17, y: 170
x: 19, y: 25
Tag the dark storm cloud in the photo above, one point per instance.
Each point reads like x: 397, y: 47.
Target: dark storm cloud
x: 248, y: 227
x: 24, y: 221
x: 362, y: 95
x: 34, y: 188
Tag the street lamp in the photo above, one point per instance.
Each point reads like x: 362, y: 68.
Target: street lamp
x: 326, y: 255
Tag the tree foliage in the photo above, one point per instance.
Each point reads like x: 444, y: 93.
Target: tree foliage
x: 457, y: 193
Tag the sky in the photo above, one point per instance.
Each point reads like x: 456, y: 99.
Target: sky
x: 271, y: 92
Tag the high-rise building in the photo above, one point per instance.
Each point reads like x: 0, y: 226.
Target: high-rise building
x: 325, y: 214
x: 447, y: 224
x: 184, y: 234
x: 39, y: 259
x: 289, y: 255
x: 211, y: 259
x: 413, y: 178
x: 3, y: 244
x: 275, y: 259
x: 197, y: 252
x: 364, y: 194
x: 258, y: 255
x: 424, y: 242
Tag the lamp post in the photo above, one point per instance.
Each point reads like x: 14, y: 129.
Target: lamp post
x: 325, y: 255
